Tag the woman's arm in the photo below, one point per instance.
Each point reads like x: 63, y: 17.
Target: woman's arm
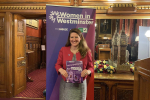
x: 59, y: 62
x: 90, y: 67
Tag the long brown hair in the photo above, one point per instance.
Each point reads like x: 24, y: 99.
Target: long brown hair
x: 83, y: 47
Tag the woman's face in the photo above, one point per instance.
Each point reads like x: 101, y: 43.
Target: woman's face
x: 74, y: 39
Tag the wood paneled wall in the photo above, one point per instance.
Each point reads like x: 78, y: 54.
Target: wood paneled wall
x: 5, y: 55
x: 2, y: 57
x: 38, y: 2
x: 142, y: 80
x: 33, y: 59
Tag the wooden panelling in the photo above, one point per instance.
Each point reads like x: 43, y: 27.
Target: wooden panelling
x: 112, y: 0
x: 19, y: 54
x: 3, y: 94
x: 2, y: 40
x: 2, y: 47
x: 38, y: 2
x: 8, y: 54
x: 5, y: 55
x: 113, y: 86
x: 99, y: 91
x: 144, y: 89
x: 2, y: 74
x: 38, y: 10
x: 124, y: 92
x: 20, y: 80
x: 33, y: 59
x: 21, y: 46
x: 109, y: 2
x: 142, y: 80
x: 2, y: 57
x: 2, y: 23
x: 34, y: 1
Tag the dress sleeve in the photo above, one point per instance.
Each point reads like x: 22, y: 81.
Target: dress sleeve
x: 90, y: 62
x: 59, y: 63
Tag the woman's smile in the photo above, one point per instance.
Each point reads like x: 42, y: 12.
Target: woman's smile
x: 74, y: 39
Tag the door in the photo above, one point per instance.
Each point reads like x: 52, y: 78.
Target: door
x: 19, y: 56
x: 142, y: 80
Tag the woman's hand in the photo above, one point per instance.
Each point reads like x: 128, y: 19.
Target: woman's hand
x: 85, y: 72
x: 63, y: 72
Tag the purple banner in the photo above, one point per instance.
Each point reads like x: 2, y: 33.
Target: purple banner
x: 59, y: 21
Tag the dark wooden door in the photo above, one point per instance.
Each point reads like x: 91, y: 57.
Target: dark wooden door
x: 19, y: 56
x: 142, y: 80
x: 2, y: 56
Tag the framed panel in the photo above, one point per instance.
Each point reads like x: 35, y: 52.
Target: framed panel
x: 2, y: 46
x: 20, y: 46
x: 20, y: 26
x: 2, y: 74
x: 105, y: 28
x: 1, y: 23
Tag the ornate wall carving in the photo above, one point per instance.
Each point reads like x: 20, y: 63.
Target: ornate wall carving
x: 123, y: 94
x: 99, y: 9
x: 22, y: 7
x: 20, y: 26
x: 21, y: 63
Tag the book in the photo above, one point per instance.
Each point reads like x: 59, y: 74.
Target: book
x: 74, y: 69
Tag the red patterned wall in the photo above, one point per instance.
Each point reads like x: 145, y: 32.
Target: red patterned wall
x: 126, y: 27
x: 131, y: 30
x: 148, y: 22
x: 139, y: 23
x: 34, y: 32
x: 121, y: 21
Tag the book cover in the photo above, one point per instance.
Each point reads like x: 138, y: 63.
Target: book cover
x: 74, y: 69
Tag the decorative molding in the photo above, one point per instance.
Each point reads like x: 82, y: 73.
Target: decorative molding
x: 97, y: 93
x: 20, y: 26
x: 32, y: 38
x: 123, y: 5
x: 123, y: 67
x: 75, y: 3
x: 23, y: 7
x: 125, y: 94
x: 97, y: 7
x: 44, y: 7
x: 144, y: 7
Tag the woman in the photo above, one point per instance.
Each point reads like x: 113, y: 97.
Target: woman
x: 76, y: 49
